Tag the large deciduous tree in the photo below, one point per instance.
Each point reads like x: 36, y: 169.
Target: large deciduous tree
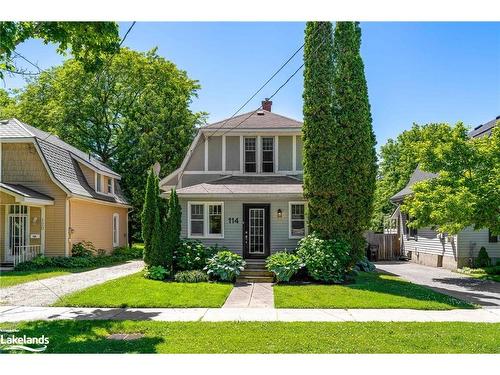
x: 130, y: 115
x: 398, y: 159
x: 90, y: 43
x: 339, y: 143
x: 466, y: 191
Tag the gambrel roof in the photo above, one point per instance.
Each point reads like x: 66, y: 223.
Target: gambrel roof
x: 63, y: 160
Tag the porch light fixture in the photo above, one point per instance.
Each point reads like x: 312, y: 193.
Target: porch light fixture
x: 280, y: 213
x: 34, y: 220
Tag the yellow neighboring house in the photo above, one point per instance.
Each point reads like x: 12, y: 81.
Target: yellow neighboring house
x: 53, y: 195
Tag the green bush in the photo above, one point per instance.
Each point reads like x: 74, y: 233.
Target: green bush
x: 325, y: 260
x: 225, y: 266
x: 364, y: 265
x: 194, y: 276
x: 284, y: 265
x: 483, y: 259
x: 42, y: 262
x: 190, y: 255
x: 155, y: 272
x: 133, y: 252
x: 83, y: 249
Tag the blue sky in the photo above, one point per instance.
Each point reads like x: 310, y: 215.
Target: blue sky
x: 416, y: 72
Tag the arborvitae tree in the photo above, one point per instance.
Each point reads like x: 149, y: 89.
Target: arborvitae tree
x: 148, y: 214
x: 339, y: 144
x: 320, y: 164
x: 353, y: 150
x: 173, y: 227
x: 156, y: 248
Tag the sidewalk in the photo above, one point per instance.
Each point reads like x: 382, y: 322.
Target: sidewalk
x: 23, y: 313
x: 47, y: 291
x: 251, y: 295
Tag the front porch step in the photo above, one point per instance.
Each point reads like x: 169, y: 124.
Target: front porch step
x: 256, y: 272
x: 254, y: 279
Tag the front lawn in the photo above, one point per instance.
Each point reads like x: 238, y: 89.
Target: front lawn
x: 136, y: 291
x: 10, y: 278
x: 370, y: 291
x: 487, y: 273
x: 80, y: 336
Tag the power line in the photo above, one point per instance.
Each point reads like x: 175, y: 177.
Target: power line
x: 276, y: 91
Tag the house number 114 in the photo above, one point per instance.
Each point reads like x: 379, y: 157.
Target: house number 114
x: 233, y: 220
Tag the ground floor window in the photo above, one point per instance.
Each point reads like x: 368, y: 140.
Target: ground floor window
x: 206, y: 219
x: 297, y: 222
x: 492, y: 237
x: 116, y: 230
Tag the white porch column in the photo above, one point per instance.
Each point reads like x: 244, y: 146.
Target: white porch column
x: 42, y: 230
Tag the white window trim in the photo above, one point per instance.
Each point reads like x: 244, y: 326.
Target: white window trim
x: 117, y: 216
x: 112, y: 186
x: 262, y: 155
x: 257, y: 138
x: 205, y: 219
x: 290, y: 220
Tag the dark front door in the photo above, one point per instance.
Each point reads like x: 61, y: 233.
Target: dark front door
x: 256, y: 230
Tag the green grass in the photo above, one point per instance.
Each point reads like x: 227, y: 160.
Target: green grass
x: 370, y: 291
x: 136, y: 291
x: 10, y: 278
x: 487, y: 273
x: 81, y: 336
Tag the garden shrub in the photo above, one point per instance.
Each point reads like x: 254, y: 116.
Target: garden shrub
x: 133, y: 252
x: 326, y: 260
x: 225, y: 266
x: 190, y: 255
x: 194, y: 276
x: 284, y: 265
x: 83, y: 249
x: 42, y: 262
x: 483, y: 259
x: 155, y: 272
x: 364, y: 265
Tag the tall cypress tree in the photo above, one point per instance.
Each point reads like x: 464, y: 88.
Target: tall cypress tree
x: 319, y: 138
x: 339, y: 144
x: 354, y: 147
x: 151, y: 223
x: 173, y: 227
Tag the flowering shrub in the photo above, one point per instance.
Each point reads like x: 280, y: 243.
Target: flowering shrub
x: 284, y: 265
x: 190, y: 255
x: 225, y: 266
x: 325, y: 260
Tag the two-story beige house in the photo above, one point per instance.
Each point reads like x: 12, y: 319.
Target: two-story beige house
x: 53, y: 195
x: 240, y: 184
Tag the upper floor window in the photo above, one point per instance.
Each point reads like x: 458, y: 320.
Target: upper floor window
x: 251, y: 155
x: 110, y: 186
x: 98, y: 186
x: 268, y: 154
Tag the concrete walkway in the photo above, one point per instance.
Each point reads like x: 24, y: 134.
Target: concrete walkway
x: 251, y: 295
x: 47, y: 291
x: 481, y: 292
x: 22, y: 313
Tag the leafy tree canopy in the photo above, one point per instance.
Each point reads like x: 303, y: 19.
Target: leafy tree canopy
x: 130, y: 115
x: 467, y: 189
x: 88, y: 42
x: 398, y: 159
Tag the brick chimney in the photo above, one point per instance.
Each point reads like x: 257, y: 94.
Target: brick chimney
x: 267, y: 104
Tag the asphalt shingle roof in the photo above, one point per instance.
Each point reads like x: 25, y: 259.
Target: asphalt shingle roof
x: 246, y: 185
x: 485, y: 129
x: 259, y: 120
x: 417, y: 176
x: 62, y: 160
x: 25, y: 191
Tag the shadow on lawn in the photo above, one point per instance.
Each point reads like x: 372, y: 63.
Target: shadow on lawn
x: 389, y: 284
x: 68, y: 336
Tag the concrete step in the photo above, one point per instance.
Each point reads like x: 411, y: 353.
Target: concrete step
x: 256, y: 272
x: 5, y: 268
x: 254, y: 279
x: 258, y: 266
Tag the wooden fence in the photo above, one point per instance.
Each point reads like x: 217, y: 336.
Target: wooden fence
x: 388, y: 245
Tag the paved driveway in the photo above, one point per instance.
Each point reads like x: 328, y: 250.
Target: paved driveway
x: 481, y: 292
x: 47, y: 291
